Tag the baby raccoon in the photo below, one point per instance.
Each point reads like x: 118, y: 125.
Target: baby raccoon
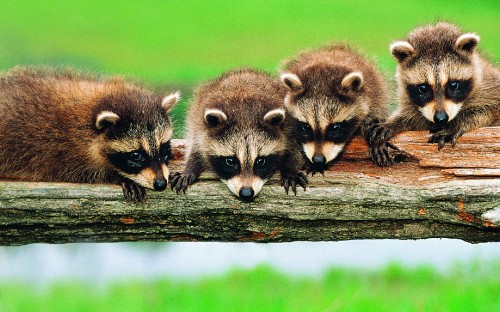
x: 444, y: 86
x: 62, y: 126
x: 333, y: 92
x: 238, y: 129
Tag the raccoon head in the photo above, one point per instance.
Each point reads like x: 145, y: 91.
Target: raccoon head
x: 437, y: 70
x: 244, y: 158
x: 135, y: 139
x: 326, y: 116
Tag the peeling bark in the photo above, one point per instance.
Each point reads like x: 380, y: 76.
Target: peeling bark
x: 453, y: 193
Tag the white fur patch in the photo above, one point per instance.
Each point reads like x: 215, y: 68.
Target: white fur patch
x: 106, y: 117
x: 401, y: 47
x: 428, y: 111
x: 352, y: 81
x: 309, y: 150
x: 235, y: 184
x: 452, y: 109
x: 165, y: 171
x: 331, y: 151
x: 274, y: 115
x: 220, y: 115
x: 170, y: 100
x: 292, y: 82
x: 144, y: 178
x: 470, y: 39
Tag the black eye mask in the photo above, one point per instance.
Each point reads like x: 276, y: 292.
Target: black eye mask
x: 130, y: 162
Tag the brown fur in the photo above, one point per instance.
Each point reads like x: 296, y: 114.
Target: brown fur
x: 433, y: 57
x: 48, y: 126
x: 327, y: 96
x: 244, y: 97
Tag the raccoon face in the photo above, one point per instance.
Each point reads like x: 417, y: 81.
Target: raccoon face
x: 141, y: 152
x: 245, y: 159
x: 325, y: 125
x: 438, y: 85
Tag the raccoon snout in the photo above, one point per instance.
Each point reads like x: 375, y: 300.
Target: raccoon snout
x: 319, y: 160
x: 160, y: 184
x: 441, y: 118
x: 246, y: 193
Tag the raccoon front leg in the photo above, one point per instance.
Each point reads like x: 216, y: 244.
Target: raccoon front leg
x: 466, y: 121
x: 133, y: 191
x: 194, y: 167
x: 377, y: 136
x: 291, y: 174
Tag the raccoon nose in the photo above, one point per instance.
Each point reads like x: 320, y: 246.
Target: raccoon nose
x: 159, y: 184
x: 319, y: 160
x: 440, y: 118
x: 246, y: 193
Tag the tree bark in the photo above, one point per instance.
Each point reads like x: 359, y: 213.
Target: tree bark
x: 452, y: 193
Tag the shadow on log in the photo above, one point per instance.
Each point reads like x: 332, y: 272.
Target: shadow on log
x: 451, y: 193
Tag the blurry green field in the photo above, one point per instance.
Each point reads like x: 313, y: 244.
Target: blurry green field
x: 473, y: 288
x: 177, y: 44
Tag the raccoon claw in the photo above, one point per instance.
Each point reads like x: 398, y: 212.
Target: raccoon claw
x: 443, y: 136
x: 381, y: 155
x: 180, y: 182
x: 300, y: 179
x: 133, y: 192
x: 378, y: 135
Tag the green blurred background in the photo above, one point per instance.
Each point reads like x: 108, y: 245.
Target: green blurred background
x: 178, y: 44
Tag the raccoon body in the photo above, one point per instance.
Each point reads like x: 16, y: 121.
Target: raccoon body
x: 444, y: 86
x: 333, y: 93
x: 238, y: 128
x: 58, y: 125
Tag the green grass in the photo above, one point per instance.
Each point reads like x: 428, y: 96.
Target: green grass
x: 179, y: 43
x: 473, y: 287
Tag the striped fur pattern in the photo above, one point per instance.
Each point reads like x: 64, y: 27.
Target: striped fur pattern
x: 59, y: 125
x: 237, y: 127
x: 333, y: 93
x: 444, y: 86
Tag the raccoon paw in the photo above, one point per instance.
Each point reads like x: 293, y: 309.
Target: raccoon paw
x: 292, y: 180
x: 181, y: 181
x: 445, y: 135
x: 381, y: 155
x: 133, y: 192
x: 378, y: 135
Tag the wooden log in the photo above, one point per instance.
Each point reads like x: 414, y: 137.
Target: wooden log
x: 354, y: 200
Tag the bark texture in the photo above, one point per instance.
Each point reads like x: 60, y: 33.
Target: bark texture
x: 451, y: 193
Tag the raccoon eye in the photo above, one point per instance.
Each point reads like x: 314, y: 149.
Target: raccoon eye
x: 304, y: 131
x: 423, y: 88
x: 231, y: 162
x: 453, y: 85
x: 260, y: 162
x: 136, y: 156
x: 165, y: 152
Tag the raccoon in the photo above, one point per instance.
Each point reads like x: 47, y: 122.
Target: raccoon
x: 333, y: 93
x: 238, y: 128
x: 59, y: 125
x: 444, y: 86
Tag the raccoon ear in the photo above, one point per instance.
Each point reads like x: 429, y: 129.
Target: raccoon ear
x: 106, y: 119
x: 275, y: 117
x: 352, y: 82
x: 170, y: 100
x: 214, y: 117
x: 467, y: 42
x: 292, y: 82
x: 401, y: 50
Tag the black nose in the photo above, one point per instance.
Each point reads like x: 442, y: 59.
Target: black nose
x: 160, y: 184
x: 440, y: 118
x: 319, y: 160
x: 246, y: 193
